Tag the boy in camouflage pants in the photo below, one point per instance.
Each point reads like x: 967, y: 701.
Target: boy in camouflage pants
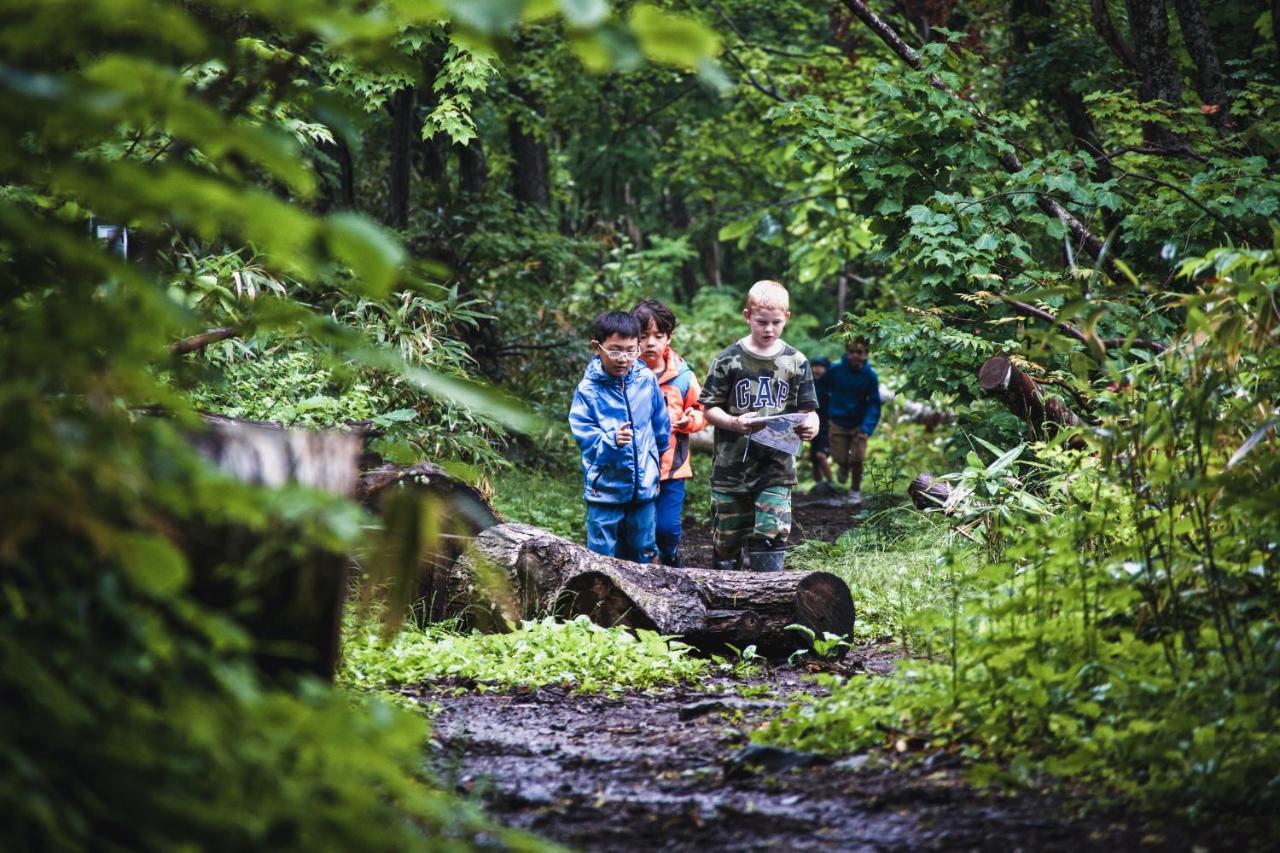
x: 758, y: 376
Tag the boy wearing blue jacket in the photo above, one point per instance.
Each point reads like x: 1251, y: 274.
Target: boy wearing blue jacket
x: 619, y: 419
x: 854, y: 412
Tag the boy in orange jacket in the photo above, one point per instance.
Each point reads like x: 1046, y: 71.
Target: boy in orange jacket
x: 680, y: 389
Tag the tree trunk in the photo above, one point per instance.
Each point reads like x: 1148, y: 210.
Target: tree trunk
x: 1000, y: 378
x: 402, y: 133
x: 339, y: 193
x: 473, y: 169
x: 682, y: 220
x: 516, y: 572
x: 289, y: 601
x: 1159, y: 77
x: 1198, y: 39
x: 530, y: 171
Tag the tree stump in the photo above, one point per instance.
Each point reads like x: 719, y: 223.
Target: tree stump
x: 290, y: 602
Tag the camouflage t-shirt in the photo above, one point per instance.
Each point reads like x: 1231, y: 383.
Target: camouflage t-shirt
x: 741, y: 382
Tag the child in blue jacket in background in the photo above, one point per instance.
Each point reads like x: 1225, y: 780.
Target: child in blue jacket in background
x: 619, y: 419
x: 854, y: 412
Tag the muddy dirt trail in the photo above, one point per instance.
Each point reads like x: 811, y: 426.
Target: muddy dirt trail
x: 674, y: 770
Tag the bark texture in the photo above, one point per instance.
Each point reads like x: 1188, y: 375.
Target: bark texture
x: 926, y: 492
x: 398, y: 171
x: 1000, y: 378
x: 1210, y: 82
x: 289, y: 601
x: 516, y: 572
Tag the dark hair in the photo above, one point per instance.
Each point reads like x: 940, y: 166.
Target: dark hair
x: 621, y: 323
x: 651, y: 310
x: 866, y: 343
x: 820, y: 361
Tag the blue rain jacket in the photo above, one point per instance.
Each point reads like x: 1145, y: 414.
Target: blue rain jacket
x: 602, y: 403
x: 855, y: 396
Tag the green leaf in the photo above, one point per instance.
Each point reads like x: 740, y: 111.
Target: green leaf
x: 152, y: 562
x: 672, y: 39
x: 371, y: 252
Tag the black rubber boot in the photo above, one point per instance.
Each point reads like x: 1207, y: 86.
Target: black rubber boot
x: 675, y: 560
x: 767, y: 556
x: 727, y: 565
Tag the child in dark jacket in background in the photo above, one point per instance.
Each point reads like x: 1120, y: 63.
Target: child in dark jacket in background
x: 680, y: 389
x: 620, y: 421
x: 854, y: 412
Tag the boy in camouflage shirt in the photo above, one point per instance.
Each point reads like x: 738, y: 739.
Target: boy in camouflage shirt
x: 758, y: 376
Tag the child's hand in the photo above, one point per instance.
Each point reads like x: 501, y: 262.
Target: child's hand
x: 746, y: 424
x: 624, y: 434
x: 809, y: 428
x: 681, y: 423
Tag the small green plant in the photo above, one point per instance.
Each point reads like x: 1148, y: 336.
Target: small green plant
x: 827, y: 647
x: 578, y: 654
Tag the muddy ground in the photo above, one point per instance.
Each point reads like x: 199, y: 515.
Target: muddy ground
x: 673, y: 770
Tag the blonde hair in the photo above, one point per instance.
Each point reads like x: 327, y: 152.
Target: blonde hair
x: 768, y: 294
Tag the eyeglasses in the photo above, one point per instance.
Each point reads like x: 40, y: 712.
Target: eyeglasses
x: 619, y: 354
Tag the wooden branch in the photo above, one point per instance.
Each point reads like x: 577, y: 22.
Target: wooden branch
x: 1106, y: 28
x: 204, y: 339
x: 1000, y: 378
x: 1079, y: 231
x: 1073, y: 332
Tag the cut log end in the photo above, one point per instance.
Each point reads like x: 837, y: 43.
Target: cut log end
x: 927, y: 492
x: 995, y: 373
x: 824, y: 605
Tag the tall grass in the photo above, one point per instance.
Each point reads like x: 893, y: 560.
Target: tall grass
x: 896, y: 568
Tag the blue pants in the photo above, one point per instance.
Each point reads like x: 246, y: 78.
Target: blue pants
x: 624, y: 531
x: 669, y: 521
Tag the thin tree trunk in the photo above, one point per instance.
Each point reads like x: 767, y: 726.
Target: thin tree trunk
x: 1101, y: 16
x: 398, y: 172
x: 473, y: 169
x: 530, y: 178
x: 1159, y: 79
x: 682, y: 219
x: 1198, y: 38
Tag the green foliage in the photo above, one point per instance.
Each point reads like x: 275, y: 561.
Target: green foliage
x: 577, y: 654
x: 550, y: 499
x: 134, y: 714
x: 1120, y: 627
x: 894, y: 566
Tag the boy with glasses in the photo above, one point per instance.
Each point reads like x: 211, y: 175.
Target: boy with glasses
x: 619, y: 419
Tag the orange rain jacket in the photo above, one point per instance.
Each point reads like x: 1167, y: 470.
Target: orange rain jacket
x: 680, y: 389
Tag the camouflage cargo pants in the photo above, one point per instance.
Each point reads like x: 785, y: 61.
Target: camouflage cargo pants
x: 735, y: 516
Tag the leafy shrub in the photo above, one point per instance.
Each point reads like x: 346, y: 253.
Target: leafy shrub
x: 579, y: 654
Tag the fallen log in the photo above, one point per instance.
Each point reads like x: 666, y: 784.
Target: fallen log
x: 928, y: 492
x: 1020, y: 394
x: 515, y: 572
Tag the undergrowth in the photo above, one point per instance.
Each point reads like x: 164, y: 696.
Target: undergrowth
x: 895, y: 568
x: 577, y: 654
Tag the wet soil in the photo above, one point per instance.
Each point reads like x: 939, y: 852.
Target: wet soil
x: 673, y: 769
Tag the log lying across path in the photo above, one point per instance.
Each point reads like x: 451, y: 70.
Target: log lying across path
x: 455, y: 558
x: 515, y: 571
